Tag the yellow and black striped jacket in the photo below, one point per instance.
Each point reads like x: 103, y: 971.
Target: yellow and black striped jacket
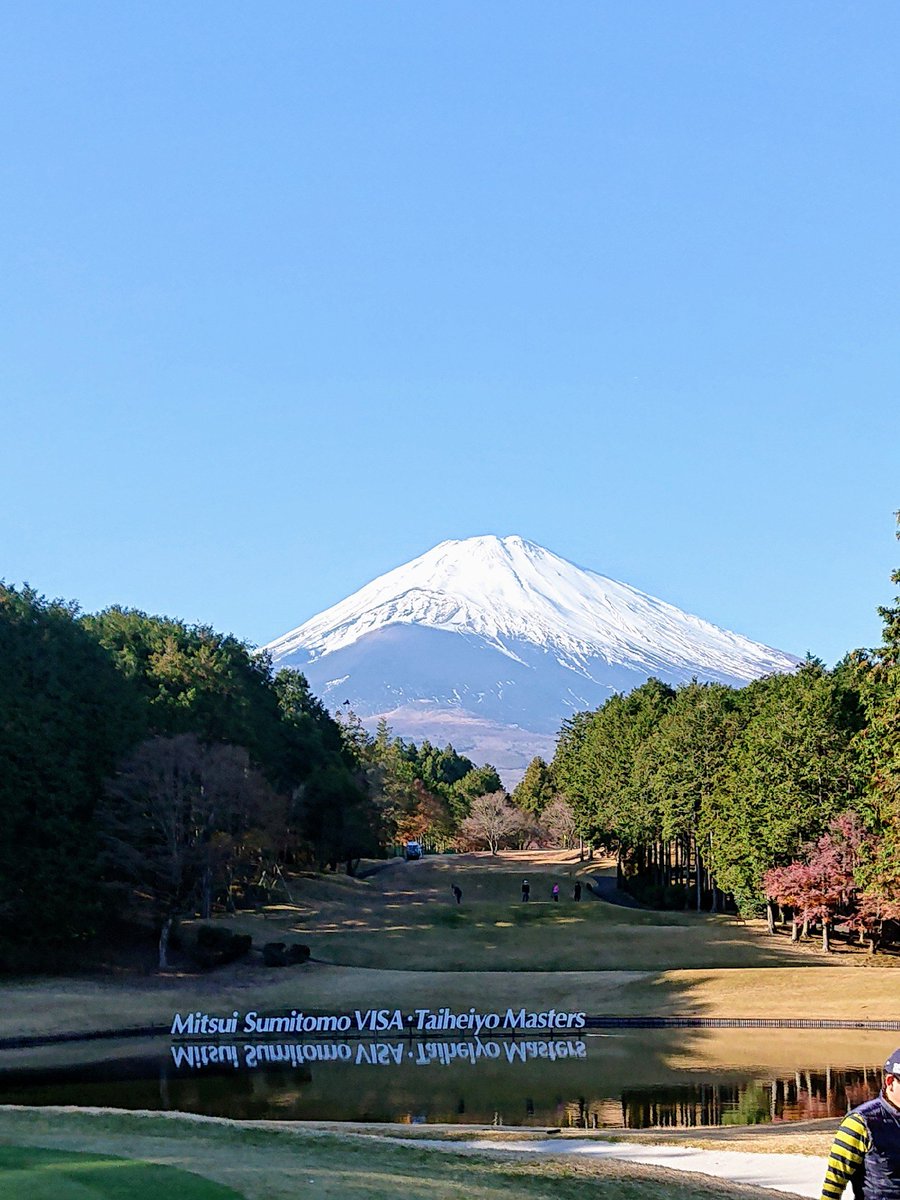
x: 866, y: 1153
x: 848, y: 1150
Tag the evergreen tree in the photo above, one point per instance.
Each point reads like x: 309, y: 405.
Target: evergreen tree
x: 610, y: 803
x: 66, y: 716
x: 878, y: 746
x: 480, y: 781
x: 880, y: 683
x: 194, y: 680
x: 679, y: 766
x: 321, y: 774
x: 571, y: 772
x: 788, y: 773
x: 535, y: 790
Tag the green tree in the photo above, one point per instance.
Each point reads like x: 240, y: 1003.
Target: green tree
x: 878, y: 745
x: 790, y: 770
x: 66, y: 715
x: 322, y: 774
x: 480, y: 781
x: 536, y: 788
x: 597, y: 768
x: 678, y: 766
x: 572, y: 773
x: 441, y: 769
x: 193, y: 679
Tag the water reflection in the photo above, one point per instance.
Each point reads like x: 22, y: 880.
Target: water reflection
x: 622, y: 1080
x: 801, y: 1097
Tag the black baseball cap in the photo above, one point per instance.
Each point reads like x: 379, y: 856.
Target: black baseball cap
x: 892, y: 1066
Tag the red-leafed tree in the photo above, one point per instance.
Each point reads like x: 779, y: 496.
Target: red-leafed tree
x: 429, y: 820
x: 787, y: 886
x: 822, y: 883
x: 810, y: 889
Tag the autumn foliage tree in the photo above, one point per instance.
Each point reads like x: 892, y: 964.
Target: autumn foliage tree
x: 822, y: 884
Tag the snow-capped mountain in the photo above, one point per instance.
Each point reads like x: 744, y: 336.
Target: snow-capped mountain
x: 491, y: 642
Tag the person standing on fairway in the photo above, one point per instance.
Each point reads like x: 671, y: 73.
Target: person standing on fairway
x: 555, y: 892
x: 866, y: 1148
x: 526, y: 890
x: 457, y: 892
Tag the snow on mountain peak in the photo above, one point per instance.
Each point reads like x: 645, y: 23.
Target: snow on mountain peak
x: 508, y: 591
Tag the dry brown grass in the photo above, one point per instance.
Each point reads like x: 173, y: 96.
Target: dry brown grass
x: 41, y: 1006
x: 405, y: 917
x: 397, y: 939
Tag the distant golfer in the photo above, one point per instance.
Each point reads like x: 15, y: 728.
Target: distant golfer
x: 576, y: 894
x: 457, y: 892
x: 526, y: 891
x: 554, y: 892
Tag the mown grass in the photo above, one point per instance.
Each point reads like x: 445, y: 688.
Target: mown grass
x: 401, y: 918
x: 33, y: 1173
x: 269, y: 1164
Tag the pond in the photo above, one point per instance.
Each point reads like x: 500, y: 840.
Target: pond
x: 634, y: 1079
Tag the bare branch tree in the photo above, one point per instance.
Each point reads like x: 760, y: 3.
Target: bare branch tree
x: 179, y: 817
x: 491, y: 823
x: 558, y: 819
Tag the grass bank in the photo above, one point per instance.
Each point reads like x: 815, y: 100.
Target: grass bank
x: 405, y: 918
x: 278, y: 1164
x: 398, y: 939
x: 44, y: 1006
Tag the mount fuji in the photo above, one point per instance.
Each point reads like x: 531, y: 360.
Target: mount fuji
x: 490, y: 642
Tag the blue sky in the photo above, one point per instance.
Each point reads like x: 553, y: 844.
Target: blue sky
x: 291, y: 292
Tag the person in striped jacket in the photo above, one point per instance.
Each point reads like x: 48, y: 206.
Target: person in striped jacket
x: 866, y: 1149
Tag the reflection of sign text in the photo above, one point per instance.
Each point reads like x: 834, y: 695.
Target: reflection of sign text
x: 251, y: 1055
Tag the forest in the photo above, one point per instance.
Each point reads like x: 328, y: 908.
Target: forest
x: 153, y: 769
x: 781, y: 796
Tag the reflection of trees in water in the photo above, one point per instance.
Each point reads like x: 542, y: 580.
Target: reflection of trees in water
x: 682, y: 1106
x: 583, y: 1093
x: 827, y: 1093
x: 802, y: 1096
x: 593, y: 1114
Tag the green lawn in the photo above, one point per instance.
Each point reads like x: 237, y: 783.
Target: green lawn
x: 286, y: 1163
x: 32, y: 1173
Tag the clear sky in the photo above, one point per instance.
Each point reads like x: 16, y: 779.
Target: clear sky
x: 293, y: 291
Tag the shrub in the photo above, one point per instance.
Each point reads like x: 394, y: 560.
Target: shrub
x: 277, y: 954
x: 274, y: 954
x: 215, y: 945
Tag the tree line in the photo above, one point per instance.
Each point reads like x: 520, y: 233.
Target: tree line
x: 160, y: 768
x: 784, y: 792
